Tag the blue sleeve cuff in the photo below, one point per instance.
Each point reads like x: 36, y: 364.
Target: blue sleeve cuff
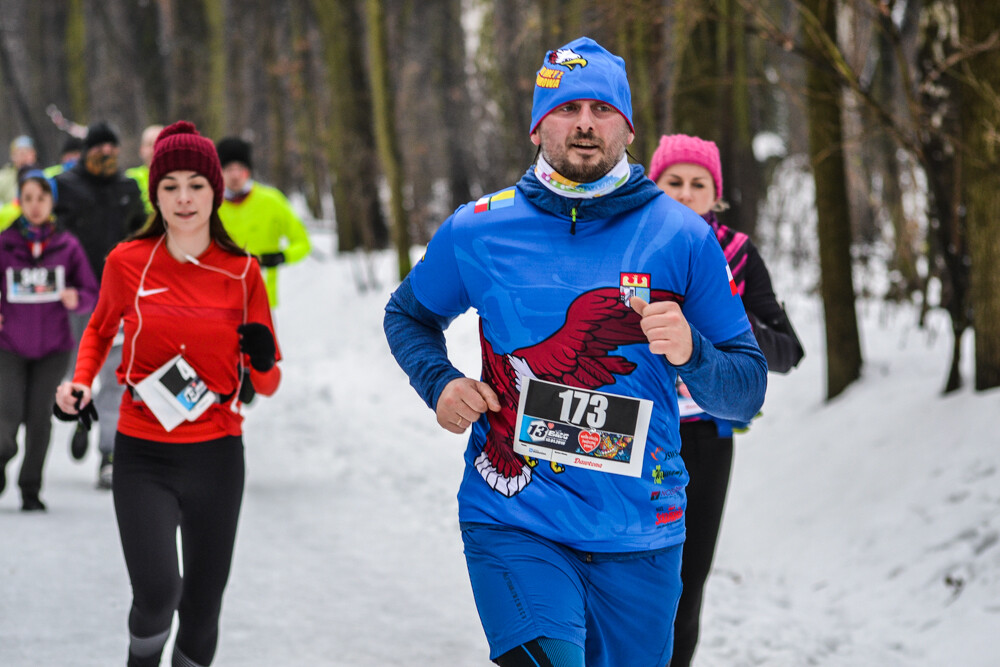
x: 727, y: 380
x: 416, y: 338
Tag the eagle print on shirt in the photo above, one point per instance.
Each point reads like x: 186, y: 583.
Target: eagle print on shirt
x: 576, y: 355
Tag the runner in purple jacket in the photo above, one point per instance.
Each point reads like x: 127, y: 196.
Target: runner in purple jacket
x: 44, y: 274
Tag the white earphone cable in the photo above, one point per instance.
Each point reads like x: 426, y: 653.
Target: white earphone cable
x: 138, y: 313
x: 142, y: 281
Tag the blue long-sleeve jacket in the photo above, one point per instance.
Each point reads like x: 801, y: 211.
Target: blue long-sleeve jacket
x: 550, y: 278
x: 723, y: 378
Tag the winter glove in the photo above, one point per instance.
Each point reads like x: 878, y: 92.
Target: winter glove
x: 86, y: 416
x: 247, y: 391
x: 256, y: 340
x: 270, y: 259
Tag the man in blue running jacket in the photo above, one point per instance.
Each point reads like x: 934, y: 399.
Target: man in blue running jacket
x: 594, y: 291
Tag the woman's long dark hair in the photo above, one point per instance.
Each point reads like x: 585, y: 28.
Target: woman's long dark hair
x: 156, y: 226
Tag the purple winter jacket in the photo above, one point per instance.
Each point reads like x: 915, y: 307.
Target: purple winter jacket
x: 36, y: 330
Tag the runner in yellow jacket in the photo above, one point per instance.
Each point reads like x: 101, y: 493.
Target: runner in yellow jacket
x: 257, y: 216
x: 140, y: 174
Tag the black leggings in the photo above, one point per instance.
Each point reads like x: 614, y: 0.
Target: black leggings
x: 159, y: 487
x: 27, y: 387
x: 709, y: 460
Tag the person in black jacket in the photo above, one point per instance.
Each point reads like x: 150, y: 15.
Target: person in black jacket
x: 689, y: 170
x: 100, y: 206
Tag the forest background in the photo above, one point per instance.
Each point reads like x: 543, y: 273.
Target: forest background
x: 384, y: 115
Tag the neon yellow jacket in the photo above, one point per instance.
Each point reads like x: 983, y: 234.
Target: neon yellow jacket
x: 9, y: 212
x: 8, y: 183
x: 262, y: 223
x: 140, y: 175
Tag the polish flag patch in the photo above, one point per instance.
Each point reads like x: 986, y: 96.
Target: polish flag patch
x: 732, y: 283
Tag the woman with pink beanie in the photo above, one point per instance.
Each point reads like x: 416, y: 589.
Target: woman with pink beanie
x: 689, y: 170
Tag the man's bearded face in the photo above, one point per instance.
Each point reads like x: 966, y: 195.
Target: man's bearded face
x: 102, y: 160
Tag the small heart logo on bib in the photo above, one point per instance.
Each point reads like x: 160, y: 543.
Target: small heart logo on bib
x: 588, y: 441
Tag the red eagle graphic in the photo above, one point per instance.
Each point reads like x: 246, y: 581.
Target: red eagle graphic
x: 576, y: 355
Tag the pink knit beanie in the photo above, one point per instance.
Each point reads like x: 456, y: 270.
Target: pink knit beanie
x: 676, y: 148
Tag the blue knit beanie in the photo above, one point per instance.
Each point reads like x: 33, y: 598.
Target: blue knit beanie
x: 581, y: 70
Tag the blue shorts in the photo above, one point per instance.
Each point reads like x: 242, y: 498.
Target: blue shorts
x: 619, y: 608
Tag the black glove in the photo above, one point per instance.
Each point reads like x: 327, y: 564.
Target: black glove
x: 247, y: 390
x: 256, y: 340
x: 271, y: 258
x: 86, y: 416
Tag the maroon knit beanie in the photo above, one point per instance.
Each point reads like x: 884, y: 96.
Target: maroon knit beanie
x: 180, y: 147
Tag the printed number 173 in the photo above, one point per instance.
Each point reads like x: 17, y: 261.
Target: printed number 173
x: 590, y: 407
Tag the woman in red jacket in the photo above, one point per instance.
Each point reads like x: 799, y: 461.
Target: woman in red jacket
x: 197, y: 330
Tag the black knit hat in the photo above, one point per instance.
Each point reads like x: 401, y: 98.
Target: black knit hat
x: 71, y: 144
x: 234, y: 149
x: 99, y: 133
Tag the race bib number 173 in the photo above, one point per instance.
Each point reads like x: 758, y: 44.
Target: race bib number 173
x: 582, y: 427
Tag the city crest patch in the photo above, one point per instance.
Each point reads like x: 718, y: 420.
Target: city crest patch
x: 634, y: 284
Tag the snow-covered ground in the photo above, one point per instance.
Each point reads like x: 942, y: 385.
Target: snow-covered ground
x: 861, y: 532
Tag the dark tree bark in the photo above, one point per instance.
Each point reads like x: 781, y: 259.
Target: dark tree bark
x: 511, y: 52
x: 843, y: 345
x: 457, y: 105
x: 15, y: 72
x: 980, y: 157
x: 712, y: 98
x: 310, y: 97
x: 432, y: 111
x: 638, y: 29
x: 349, y: 134
x: 385, y: 132
x: 947, y: 243
x: 888, y: 86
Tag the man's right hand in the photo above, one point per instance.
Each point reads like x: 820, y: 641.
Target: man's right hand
x: 464, y: 401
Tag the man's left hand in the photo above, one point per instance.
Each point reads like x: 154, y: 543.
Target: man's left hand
x: 666, y: 329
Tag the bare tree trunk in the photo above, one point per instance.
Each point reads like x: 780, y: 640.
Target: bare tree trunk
x: 350, y: 137
x: 151, y: 66
x: 511, y: 53
x: 385, y: 132
x: 282, y: 156
x: 843, y: 345
x: 458, y: 126
x: 187, y: 40
x: 432, y: 109
x: 742, y: 173
x: 980, y: 156
x: 712, y: 98
x: 310, y: 97
x: 638, y: 31
x: 17, y: 73
x: 76, y: 47
x: 947, y: 243
x: 561, y: 22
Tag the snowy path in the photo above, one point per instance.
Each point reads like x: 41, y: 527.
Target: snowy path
x: 845, y: 522
x: 348, y: 551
